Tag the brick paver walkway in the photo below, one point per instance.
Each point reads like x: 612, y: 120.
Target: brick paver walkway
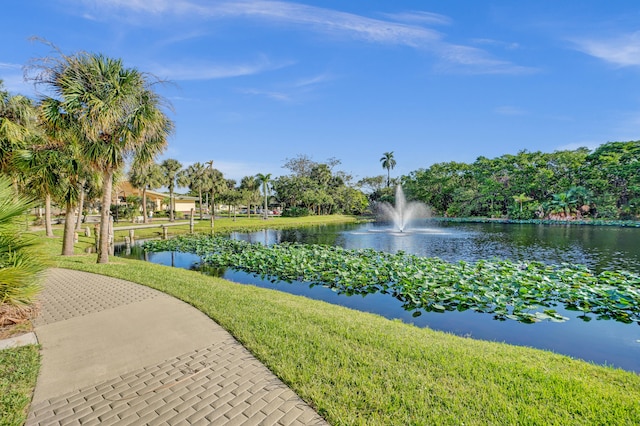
x: 114, y: 352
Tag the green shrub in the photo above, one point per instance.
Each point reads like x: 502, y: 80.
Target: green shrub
x: 20, y: 259
x: 296, y: 212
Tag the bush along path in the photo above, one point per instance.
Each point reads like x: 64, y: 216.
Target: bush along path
x: 525, y: 292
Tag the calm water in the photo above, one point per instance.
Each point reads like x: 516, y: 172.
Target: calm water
x: 600, y: 248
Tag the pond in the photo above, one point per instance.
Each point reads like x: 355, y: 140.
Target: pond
x: 600, y: 248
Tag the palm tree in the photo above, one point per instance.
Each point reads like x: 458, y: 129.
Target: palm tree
x: 215, y: 183
x: 17, y: 123
x: 170, y: 169
x: 145, y: 176
x: 250, y: 187
x: 40, y: 169
x: 116, y: 111
x: 388, y: 162
x: 63, y: 149
x: 264, y: 180
x: 194, y: 177
x: 522, y: 198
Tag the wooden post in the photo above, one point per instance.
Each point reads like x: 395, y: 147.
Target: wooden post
x: 131, y: 236
x: 191, y: 222
x: 165, y: 232
x: 87, y: 231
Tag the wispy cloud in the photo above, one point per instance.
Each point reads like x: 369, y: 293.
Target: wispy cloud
x: 293, y: 91
x: 510, y: 110
x: 499, y: 43
x: 419, y: 17
x: 13, y: 79
x: 403, y: 29
x: 212, y: 71
x: 278, y: 96
x: 623, y: 50
x: 9, y: 66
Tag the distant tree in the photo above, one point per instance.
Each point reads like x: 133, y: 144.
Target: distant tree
x: 264, y: 180
x: 388, y: 162
x: 215, y: 184
x: 522, y: 198
x: 249, y: 186
x: 170, y: 169
x: 194, y: 177
x: 145, y: 177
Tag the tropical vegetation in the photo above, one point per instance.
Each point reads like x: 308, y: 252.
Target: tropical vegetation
x: 20, y: 259
x: 563, y: 185
x: 315, y: 188
x: 112, y: 111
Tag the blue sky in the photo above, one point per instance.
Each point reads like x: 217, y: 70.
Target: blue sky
x: 256, y: 82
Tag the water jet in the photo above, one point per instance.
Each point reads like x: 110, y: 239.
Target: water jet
x: 402, y: 213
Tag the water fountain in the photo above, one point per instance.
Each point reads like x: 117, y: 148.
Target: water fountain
x: 403, y: 212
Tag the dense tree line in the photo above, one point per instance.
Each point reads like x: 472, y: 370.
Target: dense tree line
x: 567, y: 184
x: 315, y: 188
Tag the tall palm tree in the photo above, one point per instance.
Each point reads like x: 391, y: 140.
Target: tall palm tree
x: 215, y: 183
x: 40, y: 169
x: 388, y: 162
x: 17, y: 122
x: 63, y: 146
x: 250, y: 187
x: 194, y: 177
x: 144, y: 177
x: 170, y: 169
x: 264, y: 180
x: 117, y: 113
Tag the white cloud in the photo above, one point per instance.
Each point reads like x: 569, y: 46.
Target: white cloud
x: 622, y: 51
x: 419, y: 17
x: 499, y: 43
x: 311, y: 81
x: 332, y: 23
x: 278, y: 96
x: 7, y: 65
x: 510, y: 110
x: 211, y: 71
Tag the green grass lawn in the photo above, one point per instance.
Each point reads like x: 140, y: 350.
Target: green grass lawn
x: 360, y: 368
x: 18, y: 372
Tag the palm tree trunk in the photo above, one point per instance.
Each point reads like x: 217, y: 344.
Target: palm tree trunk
x: 69, y: 230
x: 103, y: 245
x: 80, y: 207
x: 200, y: 201
x: 47, y: 215
x: 171, y: 218
x: 144, y: 205
x: 213, y: 210
x: 264, y: 188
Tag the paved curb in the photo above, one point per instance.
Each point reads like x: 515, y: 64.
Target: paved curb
x: 17, y: 341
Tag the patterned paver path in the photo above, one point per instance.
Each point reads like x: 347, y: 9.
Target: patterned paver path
x: 115, y: 352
